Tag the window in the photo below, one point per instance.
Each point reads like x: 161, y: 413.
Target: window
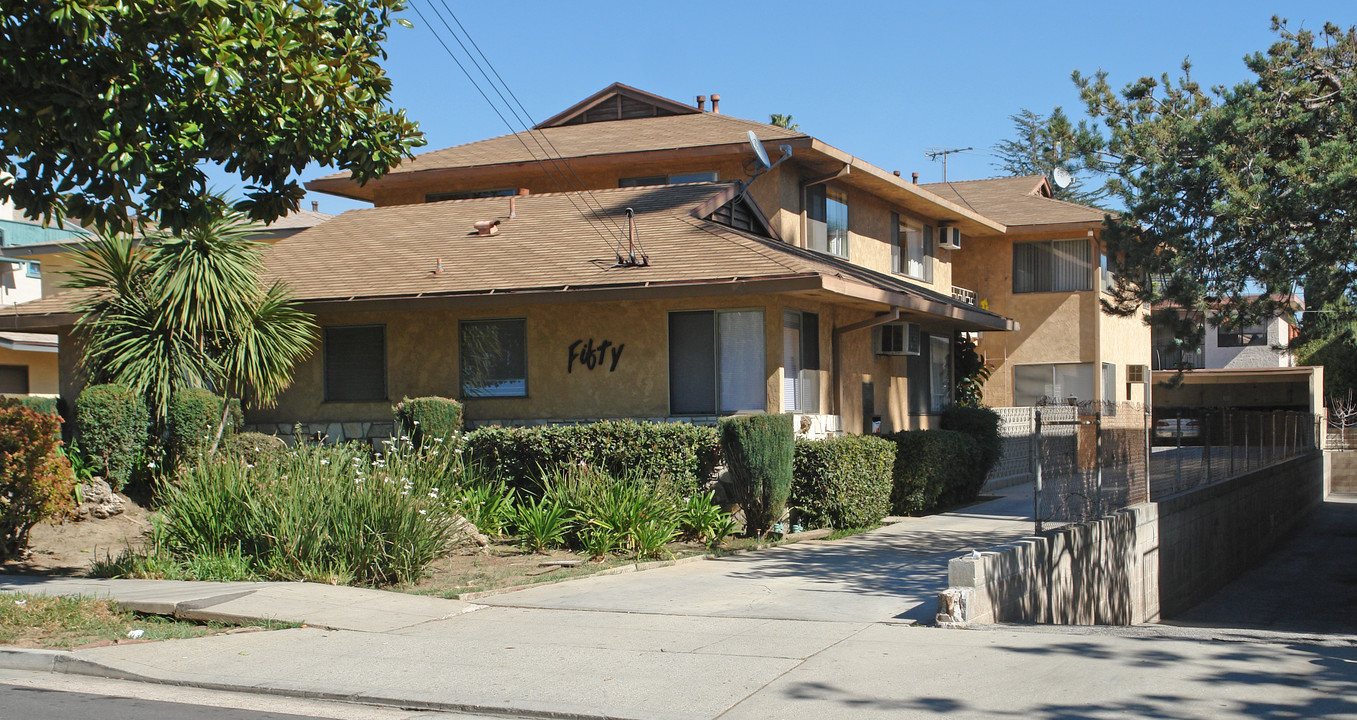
x: 493, y: 358
x: 1053, y: 266
x: 939, y: 372
x: 13, y: 379
x: 901, y: 338
x: 675, y: 179
x: 716, y: 362
x: 800, y: 361
x: 1109, y: 284
x: 1228, y: 337
x: 34, y: 269
x: 912, y: 249
x: 827, y: 220
x: 1109, y: 382
x: 355, y: 363
x: 470, y: 194
x: 1056, y: 383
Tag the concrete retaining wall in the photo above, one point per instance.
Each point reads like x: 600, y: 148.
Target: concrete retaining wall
x: 1343, y: 471
x: 1140, y: 563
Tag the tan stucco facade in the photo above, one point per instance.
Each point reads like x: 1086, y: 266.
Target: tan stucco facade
x: 43, y: 371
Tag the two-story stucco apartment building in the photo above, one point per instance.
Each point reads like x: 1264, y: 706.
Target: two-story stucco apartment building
x: 646, y: 269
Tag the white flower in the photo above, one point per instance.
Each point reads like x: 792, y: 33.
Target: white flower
x: 458, y: 451
x: 421, y: 512
x: 416, y: 422
x: 151, y: 464
x: 323, y: 461
x: 438, y: 439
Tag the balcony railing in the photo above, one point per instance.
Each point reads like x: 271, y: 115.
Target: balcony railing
x: 964, y: 295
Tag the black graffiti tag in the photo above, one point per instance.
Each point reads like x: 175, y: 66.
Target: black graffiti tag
x: 591, y: 356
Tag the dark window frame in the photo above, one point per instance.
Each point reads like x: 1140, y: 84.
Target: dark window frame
x: 1226, y: 337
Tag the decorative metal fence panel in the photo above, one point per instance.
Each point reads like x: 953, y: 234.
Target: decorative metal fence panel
x: 1201, y: 446
x: 1017, y: 430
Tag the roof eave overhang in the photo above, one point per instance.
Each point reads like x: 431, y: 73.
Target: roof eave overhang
x: 1082, y: 226
x: 962, y: 316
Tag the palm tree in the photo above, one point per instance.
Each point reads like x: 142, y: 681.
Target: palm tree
x: 188, y: 311
x: 783, y: 121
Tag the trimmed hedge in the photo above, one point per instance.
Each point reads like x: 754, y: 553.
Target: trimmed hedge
x: 192, y: 422
x: 982, y: 424
x: 682, y: 454
x: 44, y: 405
x: 758, y: 450
x: 933, y: 467
x: 36, y: 482
x: 843, y: 482
x: 112, y: 424
x: 431, y: 417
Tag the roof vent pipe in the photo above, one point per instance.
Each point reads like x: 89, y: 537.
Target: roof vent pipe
x: 486, y: 227
x: 915, y: 176
x: 315, y: 206
x: 897, y: 173
x: 513, y: 211
x: 702, y: 102
x: 524, y: 191
x: 716, y: 103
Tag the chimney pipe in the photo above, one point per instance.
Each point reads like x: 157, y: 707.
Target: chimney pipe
x: 702, y: 103
x: 513, y: 211
x: 897, y: 173
x: 315, y: 206
x: 524, y: 191
x: 716, y: 103
x: 915, y: 176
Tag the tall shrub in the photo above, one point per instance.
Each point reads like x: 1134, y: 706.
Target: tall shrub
x: 934, y: 466
x: 758, y: 451
x: 427, y: 418
x: 111, y: 421
x: 982, y: 424
x: 36, y: 482
x: 843, y: 482
x: 192, y: 422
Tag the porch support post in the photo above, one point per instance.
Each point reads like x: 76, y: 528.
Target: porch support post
x: 836, y: 347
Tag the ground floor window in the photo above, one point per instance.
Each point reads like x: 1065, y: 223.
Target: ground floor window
x: 800, y: 362
x: 14, y: 379
x: 716, y: 362
x: 1109, y: 382
x: 939, y: 372
x: 1054, y: 382
x: 493, y: 358
x: 355, y: 363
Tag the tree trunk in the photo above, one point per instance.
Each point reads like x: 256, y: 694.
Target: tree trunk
x: 221, y: 425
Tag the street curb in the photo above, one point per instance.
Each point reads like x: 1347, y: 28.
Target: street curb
x: 66, y: 663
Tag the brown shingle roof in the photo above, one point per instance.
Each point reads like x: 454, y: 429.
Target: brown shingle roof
x: 599, y: 138
x: 1015, y: 201
x: 390, y: 252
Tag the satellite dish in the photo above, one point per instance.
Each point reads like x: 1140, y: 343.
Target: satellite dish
x: 1061, y: 178
x: 759, y: 152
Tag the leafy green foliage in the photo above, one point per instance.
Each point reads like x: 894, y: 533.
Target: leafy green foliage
x: 982, y: 424
x: 783, y: 121
x: 542, y: 523
x: 428, y: 417
x: 653, y: 534
x: 112, y: 105
x: 702, y: 520
x: 843, y: 482
x: 1043, y: 143
x: 36, y: 482
x: 933, y: 468
x: 188, y: 311
x: 489, y: 505
x: 111, y: 422
x: 192, y: 422
x: 45, y: 405
x: 758, y: 450
x: 252, y: 447
x: 971, y: 372
x: 679, y: 453
x: 1233, y: 191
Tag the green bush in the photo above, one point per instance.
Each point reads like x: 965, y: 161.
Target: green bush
x: 428, y: 417
x: 932, y: 466
x: 45, y: 405
x: 843, y: 482
x: 36, y: 482
x: 111, y: 421
x: 192, y: 423
x: 681, y: 454
x: 982, y: 424
x: 758, y: 450
x: 252, y: 447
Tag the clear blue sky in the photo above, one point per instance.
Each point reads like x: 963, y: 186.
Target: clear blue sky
x: 881, y: 80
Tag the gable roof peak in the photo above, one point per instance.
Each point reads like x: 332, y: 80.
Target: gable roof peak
x: 617, y: 102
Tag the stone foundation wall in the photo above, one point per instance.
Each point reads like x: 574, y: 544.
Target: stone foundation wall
x: 1141, y: 563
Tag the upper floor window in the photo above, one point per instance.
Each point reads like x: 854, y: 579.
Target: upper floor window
x: 1053, y: 266
x: 676, y: 179
x: 355, y: 363
x: 34, y: 269
x: 493, y: 357
x: 1228, y: 336
x: 470, y: 194
x: 912, y: 249
x: 827, y: 220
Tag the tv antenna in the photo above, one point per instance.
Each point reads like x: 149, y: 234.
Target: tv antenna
x: 936, y: 152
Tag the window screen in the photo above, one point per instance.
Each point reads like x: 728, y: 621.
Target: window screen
x: 716, y: 362
x: 741, y: 353
x: 355, y: 363
x: 692, y: 363
x: 493, y: 357
x: 14, y: 379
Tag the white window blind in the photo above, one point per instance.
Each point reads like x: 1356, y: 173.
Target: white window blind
x: 1053, y: 266
x: 742, y: 360
x: 1054, y: 382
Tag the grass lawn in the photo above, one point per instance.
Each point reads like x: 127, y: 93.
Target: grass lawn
x: 39, y: 621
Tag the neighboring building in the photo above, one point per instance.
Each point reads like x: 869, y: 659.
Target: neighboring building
x: 28, y: 361
x: 822, y: 290
x: 1266, y: 345
x: 1048, y: 272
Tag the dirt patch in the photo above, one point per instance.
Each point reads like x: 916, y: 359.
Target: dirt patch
x: 69, y: 548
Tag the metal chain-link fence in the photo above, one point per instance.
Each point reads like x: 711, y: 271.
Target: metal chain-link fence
x: 1091, y: 459
x: 1200, y: 446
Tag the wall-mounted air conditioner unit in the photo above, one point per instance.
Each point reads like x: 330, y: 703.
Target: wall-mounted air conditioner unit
x: 902, y: 338
x: 949, y: 238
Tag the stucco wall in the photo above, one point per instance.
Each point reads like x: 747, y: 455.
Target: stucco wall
x: 1125, y: 341
x: 1273, y: 354
x: 16, y: 286
x: 43, y: 373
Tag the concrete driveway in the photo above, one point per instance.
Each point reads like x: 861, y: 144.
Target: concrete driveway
x: 892, y: 573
